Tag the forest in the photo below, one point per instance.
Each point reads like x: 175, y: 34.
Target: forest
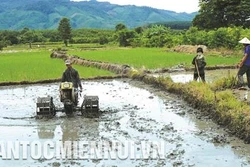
x: 219, y: 24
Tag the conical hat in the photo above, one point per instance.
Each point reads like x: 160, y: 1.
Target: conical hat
x: 67, y: 62
x: 245, y: 41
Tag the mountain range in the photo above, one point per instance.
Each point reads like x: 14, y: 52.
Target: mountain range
x: 46, y: 14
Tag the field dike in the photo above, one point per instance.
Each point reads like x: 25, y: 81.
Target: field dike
x: 221, y: 106
x: 116, y: 68
x: 180, y: 68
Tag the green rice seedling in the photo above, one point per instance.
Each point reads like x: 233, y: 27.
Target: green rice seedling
x: 37, y: 65
x: 150, y: 58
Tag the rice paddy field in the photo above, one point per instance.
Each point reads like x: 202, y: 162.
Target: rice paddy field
x: 150, y: 58
x: 37, y: 65
x: 20, y: 63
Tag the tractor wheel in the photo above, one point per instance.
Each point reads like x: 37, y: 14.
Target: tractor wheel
x: 53, y: 112
x: 83, y: 108
x: 83, y: 112
x: 68, y: 110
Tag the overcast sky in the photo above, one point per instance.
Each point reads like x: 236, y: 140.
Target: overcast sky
x: 174, y: 5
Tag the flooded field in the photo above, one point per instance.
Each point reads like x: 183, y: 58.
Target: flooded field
x: 132, y: 114
x: 210, y: 75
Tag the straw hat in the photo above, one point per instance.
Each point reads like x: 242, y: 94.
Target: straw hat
x: 245, y: 41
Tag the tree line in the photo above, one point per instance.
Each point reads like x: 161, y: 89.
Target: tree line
x: 219, y: 24
x: 215, y: 14
x: 153, y: 36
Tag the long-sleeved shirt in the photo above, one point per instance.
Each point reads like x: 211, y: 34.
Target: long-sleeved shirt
x: 200, y: 62
x: 72, y: 75
x: 247, y: 54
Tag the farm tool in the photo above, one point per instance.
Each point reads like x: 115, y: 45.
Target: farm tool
x: 69, y: 97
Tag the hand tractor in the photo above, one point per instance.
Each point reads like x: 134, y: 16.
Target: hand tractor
x: 69, y: 98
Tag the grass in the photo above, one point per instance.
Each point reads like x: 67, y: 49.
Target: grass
x: 20, y: 63
x: 37, y: 65
x: 151, y: 58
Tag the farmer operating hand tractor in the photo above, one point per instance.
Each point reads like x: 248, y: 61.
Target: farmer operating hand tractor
x: 71, y: 82
x: 199, y: 63
x: 71, y: 75
x: 69, y: 97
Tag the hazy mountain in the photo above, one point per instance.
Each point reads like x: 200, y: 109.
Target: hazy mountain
x: 46, y: 14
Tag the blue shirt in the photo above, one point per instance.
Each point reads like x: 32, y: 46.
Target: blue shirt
x: 247, y: 51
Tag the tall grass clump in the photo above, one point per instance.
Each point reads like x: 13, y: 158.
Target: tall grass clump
x: 224, y: 83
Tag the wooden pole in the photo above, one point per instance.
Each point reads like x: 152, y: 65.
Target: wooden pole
x: 197, y: 69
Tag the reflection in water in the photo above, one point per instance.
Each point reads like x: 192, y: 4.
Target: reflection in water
x: 129, y: 113
x: 75, y: 129
x: 70, y: 129
x: 46, y: 132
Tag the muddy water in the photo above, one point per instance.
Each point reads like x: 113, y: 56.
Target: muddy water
x: 131, y: 111
x: 211, y: 75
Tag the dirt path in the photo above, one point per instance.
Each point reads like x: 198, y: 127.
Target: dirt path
x: 131, y: 111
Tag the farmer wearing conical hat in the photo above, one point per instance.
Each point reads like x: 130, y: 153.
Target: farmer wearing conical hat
x: 244, y: 64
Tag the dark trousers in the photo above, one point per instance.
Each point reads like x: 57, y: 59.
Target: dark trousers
x: 202, y: 75
x: 244, y: 69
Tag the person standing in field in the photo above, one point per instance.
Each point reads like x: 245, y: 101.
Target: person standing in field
x: 244, y: 64
x: 199, y: 64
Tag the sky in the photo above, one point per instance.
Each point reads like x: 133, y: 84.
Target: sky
x: 187, y: 6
